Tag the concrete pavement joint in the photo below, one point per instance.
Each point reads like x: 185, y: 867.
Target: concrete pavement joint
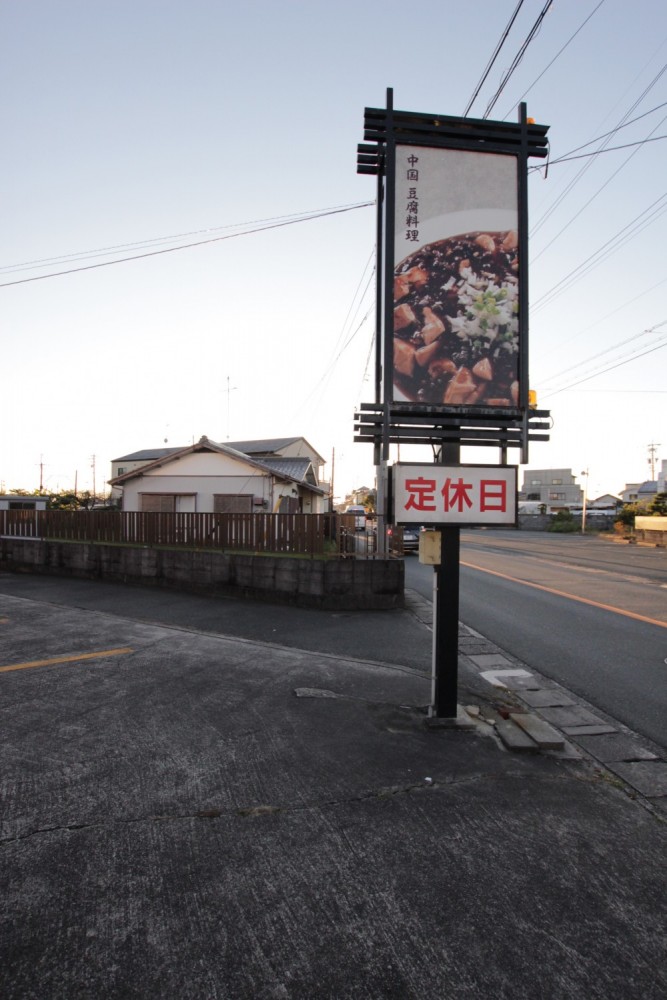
x: 427, y: 784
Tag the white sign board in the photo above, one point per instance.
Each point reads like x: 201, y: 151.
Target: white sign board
x: 455, y: 494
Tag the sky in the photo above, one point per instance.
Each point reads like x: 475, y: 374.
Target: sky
x: 176, y: 144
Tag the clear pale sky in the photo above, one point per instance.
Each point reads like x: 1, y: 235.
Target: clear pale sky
x: 141, y: 125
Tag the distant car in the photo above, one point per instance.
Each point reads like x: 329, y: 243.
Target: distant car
x: 410, y: 540
x: 359, y: 516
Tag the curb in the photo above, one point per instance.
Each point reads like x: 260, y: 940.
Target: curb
x: 548, y: 718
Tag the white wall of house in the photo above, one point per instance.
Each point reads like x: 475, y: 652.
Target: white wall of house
x: 119, y: 469
x: 197, y: 478
x: 301, y: 449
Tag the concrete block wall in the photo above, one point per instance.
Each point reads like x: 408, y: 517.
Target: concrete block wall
x: 335, y: 584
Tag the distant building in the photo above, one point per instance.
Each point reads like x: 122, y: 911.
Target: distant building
x: 608, y: 501
x: 17, y: 501
x: 555, y: 488
x: 639, y: 492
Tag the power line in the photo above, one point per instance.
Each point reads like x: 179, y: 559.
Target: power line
x: 599, y: 191
x: 558, y: 54
x: 575, y: 180
x: 493, y: 58
x: 607, y: 350
x: 619, y: 364
x: 518, y: 57
x: 612, y: 245
x: 606, y: 135
x: 602, y: 319
x: 187, y: 246
x: 86, y: 254
x: 565, y: 388
x: 598, y: 152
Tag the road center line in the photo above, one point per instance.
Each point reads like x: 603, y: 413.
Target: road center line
x: 571, y: 597
x: 66, y: 659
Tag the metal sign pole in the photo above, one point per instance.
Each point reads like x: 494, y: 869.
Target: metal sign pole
x: 446, y: 609
x: 446, y: 625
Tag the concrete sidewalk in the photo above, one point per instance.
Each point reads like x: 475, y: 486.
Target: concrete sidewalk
x: 189, y: 815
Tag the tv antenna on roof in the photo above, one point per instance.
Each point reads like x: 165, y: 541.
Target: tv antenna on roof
x: 228, y: 390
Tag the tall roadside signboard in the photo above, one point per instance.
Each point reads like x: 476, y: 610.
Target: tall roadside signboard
x: 452, y: 333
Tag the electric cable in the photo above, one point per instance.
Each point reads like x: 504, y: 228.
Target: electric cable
x: 604, y: 135
x: 577, y: 335
x: 102, y: 251
x: 555, y: 392
x: 655, y: 210
x: 575, y: 180
x: 607, y: 350
x: 518, y: 57
x: 558, y: 54
x: 493, y: 58
x: 188, y: 246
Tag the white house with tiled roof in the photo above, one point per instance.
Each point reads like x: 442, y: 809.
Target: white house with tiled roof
x: 221, y: 478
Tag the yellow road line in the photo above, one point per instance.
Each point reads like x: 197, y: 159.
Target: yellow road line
x: 572, y: 597
x: 66, y: 659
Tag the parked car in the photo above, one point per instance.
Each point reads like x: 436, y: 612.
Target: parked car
x: 410, y: 540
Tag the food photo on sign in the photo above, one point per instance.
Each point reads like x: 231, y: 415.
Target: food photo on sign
x: 456, y: 331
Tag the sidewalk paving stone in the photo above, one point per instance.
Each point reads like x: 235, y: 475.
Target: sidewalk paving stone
x: 615, y: 747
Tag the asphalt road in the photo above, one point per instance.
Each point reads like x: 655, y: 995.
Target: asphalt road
x: 590, y: 614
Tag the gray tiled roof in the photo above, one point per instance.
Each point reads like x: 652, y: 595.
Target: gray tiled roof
x: 295, y: 468
x: 149, y: 454
x: 266, y: 446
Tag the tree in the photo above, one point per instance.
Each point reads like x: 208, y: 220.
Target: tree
x: 370, y: 502
x: 64, y: 500
x: 658, y: 505
x: 628, y: 512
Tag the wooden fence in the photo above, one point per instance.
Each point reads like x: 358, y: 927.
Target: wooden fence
x: 294, y: 534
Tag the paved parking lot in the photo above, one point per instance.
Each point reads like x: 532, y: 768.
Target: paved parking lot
x: 195, y: 815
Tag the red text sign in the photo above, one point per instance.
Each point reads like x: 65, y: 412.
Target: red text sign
x: 459, y: 494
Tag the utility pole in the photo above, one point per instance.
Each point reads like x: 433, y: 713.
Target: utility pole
x: 652, y: 449
x: 583, y: 509
x: 93, y: 468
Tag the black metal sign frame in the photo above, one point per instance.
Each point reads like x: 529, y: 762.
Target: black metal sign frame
x: 386, y: 420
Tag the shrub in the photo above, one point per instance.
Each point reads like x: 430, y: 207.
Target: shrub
x: 564, y: 522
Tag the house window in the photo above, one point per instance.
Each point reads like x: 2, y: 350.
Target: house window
x: 536, y: 482
x: 232, y: 503
x: 21, y: 505
x: 158, y: 503
x: 556, y: 496
x: 121, y: 470
x: 556, y: 482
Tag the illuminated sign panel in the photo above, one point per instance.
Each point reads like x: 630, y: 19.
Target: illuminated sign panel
x: 456, y: 278
x: 456, y: 494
